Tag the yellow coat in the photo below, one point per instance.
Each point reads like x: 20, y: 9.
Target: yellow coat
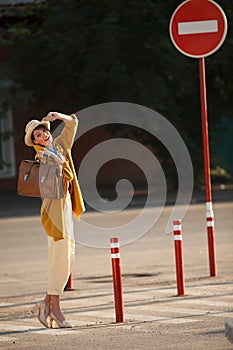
x: 52, y: 213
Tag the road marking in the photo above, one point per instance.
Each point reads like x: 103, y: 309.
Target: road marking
x: 172, y: 315
x: 188, y: 312
x: 16, y: 328
x: 6, y: 338
x: 167, y: 319
x: 6, y: 304
x: 208, y: 303
x: 136, y: 317
x: 197, y: 27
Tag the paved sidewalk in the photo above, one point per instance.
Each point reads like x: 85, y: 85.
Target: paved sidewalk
x: 12, y: 205
x: 155, y: 318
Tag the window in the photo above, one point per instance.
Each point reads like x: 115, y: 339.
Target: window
x: 7, y: 152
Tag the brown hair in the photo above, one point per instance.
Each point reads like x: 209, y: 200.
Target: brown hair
x: 39, y: 127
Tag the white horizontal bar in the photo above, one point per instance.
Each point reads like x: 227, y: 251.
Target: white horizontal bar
x: 177, y: 237
x: 115, y: 245
x: 116, y: 256
x: 210, y: 223
x: 210, y: 214
x: 176, y: 227
x: 197, y: 27
x: 209, y: 206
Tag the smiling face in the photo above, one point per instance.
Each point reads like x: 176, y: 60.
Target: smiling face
x: 42, y: 136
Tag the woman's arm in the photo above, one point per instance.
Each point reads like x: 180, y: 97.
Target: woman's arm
x: 66, y: 138
x: 51, y: 116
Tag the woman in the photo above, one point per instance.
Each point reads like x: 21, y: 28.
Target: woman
x: 56, y: 214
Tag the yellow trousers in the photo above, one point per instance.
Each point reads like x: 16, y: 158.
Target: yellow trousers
x: 61, y: 254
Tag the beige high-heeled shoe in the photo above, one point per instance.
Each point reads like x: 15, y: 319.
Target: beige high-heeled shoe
x: 39, y: 309
x: 63, y: 324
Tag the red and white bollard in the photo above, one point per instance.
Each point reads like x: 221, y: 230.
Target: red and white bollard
x: 117, y: 280
x: 179, y: 256
x: 69, y: 284
x: 211, y: 240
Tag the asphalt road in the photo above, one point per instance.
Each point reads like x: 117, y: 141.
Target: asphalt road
x: 155, y: 317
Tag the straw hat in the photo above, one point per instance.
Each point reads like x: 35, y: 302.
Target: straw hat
x: 29, y: 129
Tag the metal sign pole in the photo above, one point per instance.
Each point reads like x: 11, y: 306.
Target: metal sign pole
x: 205, y: 137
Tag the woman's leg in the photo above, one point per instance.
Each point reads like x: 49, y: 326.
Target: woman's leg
x: 47, y: 301
x: 56, y: 309
x: 60, y: 262
x: 56, y: 313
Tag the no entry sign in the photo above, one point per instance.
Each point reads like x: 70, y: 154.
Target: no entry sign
x: 198, y: 28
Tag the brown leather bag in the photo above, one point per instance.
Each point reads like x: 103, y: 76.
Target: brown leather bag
x: 36, y: 179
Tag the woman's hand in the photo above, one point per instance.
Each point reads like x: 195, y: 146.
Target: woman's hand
x: 42, y: 156
x: 51, y: 116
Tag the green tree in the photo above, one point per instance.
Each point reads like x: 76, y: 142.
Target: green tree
x: 80, y: 53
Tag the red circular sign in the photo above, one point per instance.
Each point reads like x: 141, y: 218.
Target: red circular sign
x: 198, y: 27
